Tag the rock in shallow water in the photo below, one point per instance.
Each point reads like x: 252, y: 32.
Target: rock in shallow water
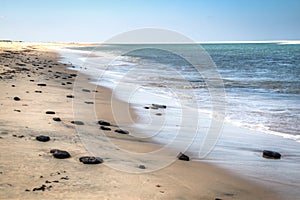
x: 90, y: 160
x: 181, y: 156
x: 77, y: 122
x: 60, y: 154
x: 121, y: 131
x: 105, y: 128
x: 271, y: 154
x: 103, y: 123
x: 159, y: 106
x: 42, y: 138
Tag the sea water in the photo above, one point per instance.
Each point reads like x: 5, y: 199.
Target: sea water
x: 262, y: 88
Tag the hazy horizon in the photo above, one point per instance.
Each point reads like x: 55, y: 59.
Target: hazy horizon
x: 98, y: 21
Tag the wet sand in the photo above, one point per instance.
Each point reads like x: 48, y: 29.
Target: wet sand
x: 32, y: 73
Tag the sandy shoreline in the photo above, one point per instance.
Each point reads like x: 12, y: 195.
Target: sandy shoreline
x: 26, y: 164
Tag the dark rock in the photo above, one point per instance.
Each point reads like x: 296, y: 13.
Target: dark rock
x: 53, y: 150
x: 27, y: 190
x: 142, y: 166
x: 159, y: 106
x: 104, y: 123
x: 65, y: 178
x: 49, y: 112
x: 42, y: 138
x: 18, y: 136
x: 89, y: 102
x: 43, y: 187
x: 90, y: 160
x: 271, y: 154
x: 181, y: 156
x: 105, y: 128
x: 41, y: 84
x: 60, y: 154
x: 38, y: 91
x: 57, y: 119
x: 17, y: 110
x: 69, y: 83
x: 121, y: 131
x: 13, y: 86
x: 146, y: 107
x: 218, y: 199
x: 70, y: 96
x: 17, y: 98
x: 158, y: 114
x: 63, y: 84
x: 77, y: 122
x: 86, y: 90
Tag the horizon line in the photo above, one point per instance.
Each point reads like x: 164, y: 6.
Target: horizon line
x: 198, y: 42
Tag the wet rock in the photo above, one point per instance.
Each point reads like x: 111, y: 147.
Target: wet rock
x: 77, y: 122
x: 121, y: 131
x: 50, y: 112
x: 159, y: 106
x: 105, y: 128
x: 18, y: 136
x: 42, y: 138
x: 142, y: 167
x: 271, y: 154
x: 17, y: 98
x: 104, y: 123
x: 41, y: 84
x: 57, y: 119
x: 86, y: 90
x: 182, y: 156
x: 90, y: 160
x: 60, y: 154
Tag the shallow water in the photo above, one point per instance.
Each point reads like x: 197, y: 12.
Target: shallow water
x: 262, y: 85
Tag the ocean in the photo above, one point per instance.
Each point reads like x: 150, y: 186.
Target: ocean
x: 261, y: 81
x: 261, y: 102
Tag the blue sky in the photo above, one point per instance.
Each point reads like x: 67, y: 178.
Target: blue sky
x: 201, y: 20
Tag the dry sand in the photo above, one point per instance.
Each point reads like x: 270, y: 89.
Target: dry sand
x: 26, y: 164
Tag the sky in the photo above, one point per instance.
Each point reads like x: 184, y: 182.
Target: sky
x: 99, y: 20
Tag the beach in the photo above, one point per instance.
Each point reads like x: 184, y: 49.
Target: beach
x: 32, y: 72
